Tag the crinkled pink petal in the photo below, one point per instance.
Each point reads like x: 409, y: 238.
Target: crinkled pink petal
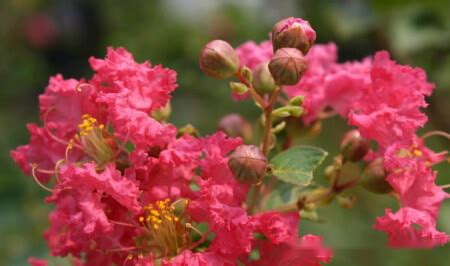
x: 305, y: 251
x: 62, y: 105
x: 410, y: 228
x: 148, y: 88
x: 139, y: 128
x: 109, y: 181
x: 65, y: 234
x: 189, y: 258
x: 42, y: 150
x: 229, y: 222
x: 390, y: 110
x: 275, y: 226
x: 346, y: 84
x: 413, y: 179
x: 37, y: 262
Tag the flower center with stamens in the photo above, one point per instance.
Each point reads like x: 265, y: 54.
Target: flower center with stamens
x: 96, y: 140
x: 165, y: 234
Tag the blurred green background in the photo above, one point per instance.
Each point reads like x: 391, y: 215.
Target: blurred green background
x: 42, y: 38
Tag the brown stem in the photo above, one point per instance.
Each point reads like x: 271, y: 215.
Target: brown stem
x: 268, y: 122
x: 265, y: 143
x: 258, y: 98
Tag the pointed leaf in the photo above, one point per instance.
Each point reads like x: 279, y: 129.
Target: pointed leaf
x: 296, y: 165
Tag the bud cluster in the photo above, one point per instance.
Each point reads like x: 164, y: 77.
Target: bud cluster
x: 291, y: 40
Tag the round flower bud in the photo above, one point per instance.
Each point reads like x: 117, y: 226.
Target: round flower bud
x: 287, y: 66
x: 248, y: 164
x: 353, y: 146
x: 162, y: 114
x: 373, y: 178
x: 218, y: 60
x: 294, y: 33
x: 263, y: 80
x: 235, y: 125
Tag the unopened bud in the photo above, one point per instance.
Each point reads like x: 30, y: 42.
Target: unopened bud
x: 353, y: 146
x: 294, y: 33
x: 287, y: 66
x: 188, y: 130
x: 263, y: 80
x: 235, y: 125
x: 162, y: 114
x: 238, y: 87
x: 297, y: 100
x: 346, y: 202
x: 218, y: 60
x: 374, y: 177
x: 330, y: 173
x: 248, y: 164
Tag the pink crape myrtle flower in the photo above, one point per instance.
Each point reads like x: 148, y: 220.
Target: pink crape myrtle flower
x: 389, y: 113
x: 108, y: 199
x: 411, y: 228
x: 283, y: 246
x: 413, y: 180
x: 390, y: 110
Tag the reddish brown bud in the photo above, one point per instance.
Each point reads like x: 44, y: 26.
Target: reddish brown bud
x: 248, y: 164
x: 218, y: 60
x: 287, y: 66
x: 374, y: 177
x: 263, y: 80
x: 293, y: 33
x: 235, y: 125
x: 353, y: 146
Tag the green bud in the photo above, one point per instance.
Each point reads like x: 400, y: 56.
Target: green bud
x: 218, y: 60
x: 346, y: 202
x: 247, y: 74
x: 162, y: 114
x: 297, y: 100
x: 278, y: 128
x: 263, y: 80
x: 189, y: 130
x: 373, y: 178
x: 238, y: 88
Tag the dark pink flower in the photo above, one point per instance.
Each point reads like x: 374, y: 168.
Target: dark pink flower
x: 64, y: 102
x: 390, y: 110
x: 411, y: 228
x: 143, y: 87
x: 43, y: 151
x: 37, y: 262
x: 139, y: 128
x: 413, y: 179
x: 274, y: 226
x: 189, y: 258
x: 294, y: 251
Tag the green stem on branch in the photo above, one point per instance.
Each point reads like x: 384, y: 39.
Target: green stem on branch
x: 268, y: 122
x: 251, y: 90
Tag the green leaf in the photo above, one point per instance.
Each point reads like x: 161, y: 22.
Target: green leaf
x: 282, y: 194
x: 296, y: 165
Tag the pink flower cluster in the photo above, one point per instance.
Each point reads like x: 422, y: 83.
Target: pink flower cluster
x: 129, y: 191
x: 383, y: 99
